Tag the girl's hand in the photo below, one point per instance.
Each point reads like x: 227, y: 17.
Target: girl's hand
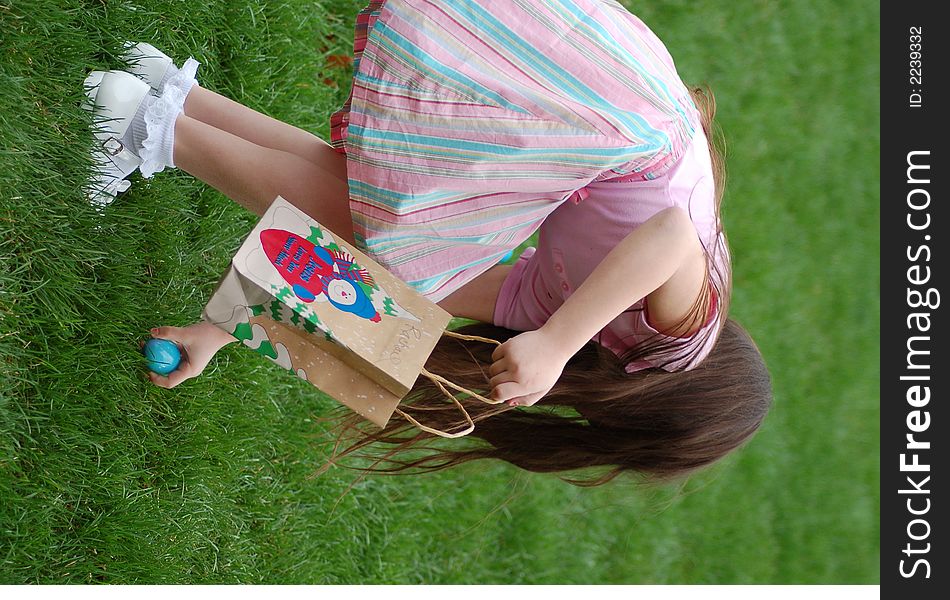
x: 198, y: 344
x: 526, y: 367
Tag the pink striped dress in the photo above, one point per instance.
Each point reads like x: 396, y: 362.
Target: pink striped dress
x: 469, y: 122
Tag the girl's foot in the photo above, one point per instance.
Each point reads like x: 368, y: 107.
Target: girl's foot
x: 172, y: 86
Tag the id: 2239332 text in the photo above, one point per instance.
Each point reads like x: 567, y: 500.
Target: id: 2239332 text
x: 916, y: 66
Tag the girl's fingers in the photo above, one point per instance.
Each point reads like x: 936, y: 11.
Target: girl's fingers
x: 172, y: 379
x: 175, y: 377
x: 506, y: 391
x: 499, y: 352
x: 528, y: 400
x: 166, y: 333
x: 503, y: 377
x: 499, y: 366
x: 159, y: 380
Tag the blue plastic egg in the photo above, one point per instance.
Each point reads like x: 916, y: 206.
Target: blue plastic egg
x: 508, y: 256
x: 163, y: 355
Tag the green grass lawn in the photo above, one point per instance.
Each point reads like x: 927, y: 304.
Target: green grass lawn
x: 107, y: 478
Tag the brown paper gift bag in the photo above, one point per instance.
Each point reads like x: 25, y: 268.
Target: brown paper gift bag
x: 315, y: 305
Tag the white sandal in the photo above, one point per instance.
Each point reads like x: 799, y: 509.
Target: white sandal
x: 114, y: 97
x: 153, y: 66
x: 147, y: 62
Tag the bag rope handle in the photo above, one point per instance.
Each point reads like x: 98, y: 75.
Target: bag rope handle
x: 438, y: 378
x: 471, y: 423
x: 475, y: 338
x: 439, y: 381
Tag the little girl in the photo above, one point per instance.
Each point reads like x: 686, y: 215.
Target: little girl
x: 470, y: 125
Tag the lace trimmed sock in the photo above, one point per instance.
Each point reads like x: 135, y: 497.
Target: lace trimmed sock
x: 169, y: 73
x: 137, y: 131
x: 183, y: 78
x: 157, y: 145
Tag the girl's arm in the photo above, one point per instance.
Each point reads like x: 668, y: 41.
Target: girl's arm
x: 661, y: 260
x: 476, y: 299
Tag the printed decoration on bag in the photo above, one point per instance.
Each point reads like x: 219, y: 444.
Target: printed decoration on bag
x: 317, y: 269
x: 315, y: 273
x: 255, y: 337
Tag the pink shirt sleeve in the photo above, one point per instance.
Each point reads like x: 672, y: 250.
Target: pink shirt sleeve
x: 692, y: 349
x: 514, y: 308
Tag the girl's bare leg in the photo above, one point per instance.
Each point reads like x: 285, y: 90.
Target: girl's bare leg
x: 253, y: 175
x: 227, y: 115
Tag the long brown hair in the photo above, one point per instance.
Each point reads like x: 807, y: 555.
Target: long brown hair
x: 654, y: 423
x: 718, y: 262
